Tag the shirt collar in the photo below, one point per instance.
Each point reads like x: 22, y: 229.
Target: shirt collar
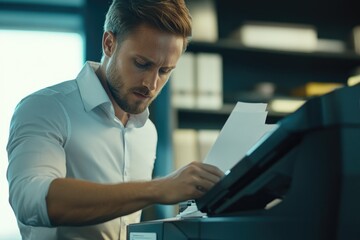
x: 93, y: 94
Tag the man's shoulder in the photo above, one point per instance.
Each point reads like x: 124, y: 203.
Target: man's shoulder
x: 55, y: 93
x: 63, y: 88
x: 50, y: 98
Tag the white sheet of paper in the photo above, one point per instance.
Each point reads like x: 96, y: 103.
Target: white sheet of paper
x: 250, y: 107
x: 244, y: 127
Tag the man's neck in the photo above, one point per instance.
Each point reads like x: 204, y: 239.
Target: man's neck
x: 119, y: 113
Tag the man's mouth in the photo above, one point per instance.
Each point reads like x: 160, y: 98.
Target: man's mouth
x: 143, y: 93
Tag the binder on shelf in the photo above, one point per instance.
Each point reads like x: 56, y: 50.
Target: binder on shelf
x: 354, y: 78
x: 209, y: 94
x: 183, y: 82
x: 192, y: 145
x: 185, y: 144
x: 311, y: 89
x: 206, y: 138
x: 278, y: 36
x: 204, y: 20
x: 284, y: 105
x: 331, y: 45
x: 356, y: 39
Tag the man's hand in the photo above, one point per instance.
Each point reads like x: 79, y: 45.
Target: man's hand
x: 188, y: 182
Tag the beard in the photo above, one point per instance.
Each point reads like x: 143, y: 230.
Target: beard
x: 121, y: 94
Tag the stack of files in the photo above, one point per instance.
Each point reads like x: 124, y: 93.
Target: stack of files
x: 353, y: 80
x: 183, y: 82
x: 206, y: 139
x: 197, y: 81
x: 204, y: 20
x: 356, y: 39
x: 242, y: 130
x: 278, y: 36
x: 209, y: 81
x: 192, y: 145
x: 185, y: 147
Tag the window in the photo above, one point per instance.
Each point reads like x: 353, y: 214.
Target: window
x: 30, y: 60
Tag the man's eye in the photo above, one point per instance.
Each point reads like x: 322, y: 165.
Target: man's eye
x: 141, y: 65
x: 165, y: 70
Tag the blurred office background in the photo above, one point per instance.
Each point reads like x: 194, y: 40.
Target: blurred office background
x: 276, y: 52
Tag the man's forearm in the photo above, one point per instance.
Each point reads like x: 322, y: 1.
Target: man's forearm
x: 74, y: 203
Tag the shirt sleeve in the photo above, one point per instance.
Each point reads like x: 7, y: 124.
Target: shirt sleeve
x: 38, y: 133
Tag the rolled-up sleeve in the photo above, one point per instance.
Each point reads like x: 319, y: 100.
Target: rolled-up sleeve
x: 38, y: 133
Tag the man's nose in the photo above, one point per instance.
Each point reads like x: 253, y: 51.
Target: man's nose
x: 151, y: 80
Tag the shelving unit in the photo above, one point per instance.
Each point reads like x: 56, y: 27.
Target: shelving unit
x: 245, y: 67
x: 334, y: 19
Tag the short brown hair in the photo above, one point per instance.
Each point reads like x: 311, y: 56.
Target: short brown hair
x: 171, y: 16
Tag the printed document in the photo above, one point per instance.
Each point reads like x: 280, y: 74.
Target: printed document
x: 244, y: 128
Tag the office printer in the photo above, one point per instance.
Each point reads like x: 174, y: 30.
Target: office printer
x: 300, y: 182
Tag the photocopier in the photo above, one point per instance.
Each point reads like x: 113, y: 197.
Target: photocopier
x: 301, y: 182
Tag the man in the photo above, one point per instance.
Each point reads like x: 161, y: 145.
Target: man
x: 81, y: 153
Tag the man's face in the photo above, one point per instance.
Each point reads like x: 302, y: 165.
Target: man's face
x: 140, y: 66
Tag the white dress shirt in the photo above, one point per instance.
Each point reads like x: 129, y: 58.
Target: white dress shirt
x: 70, y: 130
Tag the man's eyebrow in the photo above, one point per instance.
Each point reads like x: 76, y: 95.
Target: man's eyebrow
x: 151, y: 62
x: 148, y: 60
x: 169, y: 68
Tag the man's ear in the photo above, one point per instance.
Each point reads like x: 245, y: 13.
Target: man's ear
x: 109, y: 43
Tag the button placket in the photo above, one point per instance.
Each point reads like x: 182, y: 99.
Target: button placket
x: 126, y: 157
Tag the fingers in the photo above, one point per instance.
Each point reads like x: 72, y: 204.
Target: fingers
x: 190, y: 182
x: 205, y: 176
x: 212, y: 169
x: 207, y: 172
x: 209, y: 176
x: 205, y: 183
